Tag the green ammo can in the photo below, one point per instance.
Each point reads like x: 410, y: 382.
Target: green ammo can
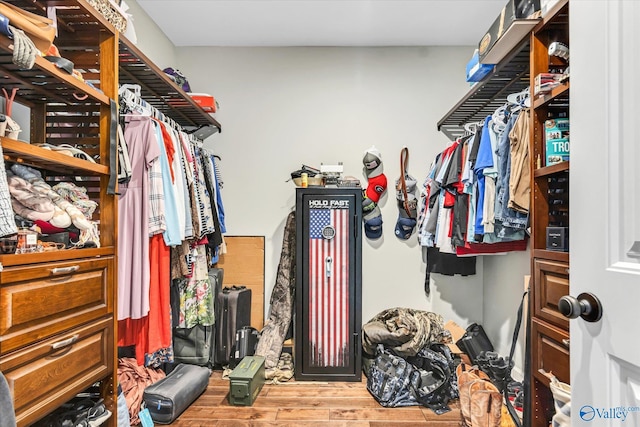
x: 246, y: 380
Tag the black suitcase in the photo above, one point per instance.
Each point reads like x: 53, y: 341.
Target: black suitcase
x: 246, y: 342
x: 233, y: 311
x: 196, y: 345
x: 169, y: 397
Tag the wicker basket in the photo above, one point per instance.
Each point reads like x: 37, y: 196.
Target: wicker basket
x: 111, y: 13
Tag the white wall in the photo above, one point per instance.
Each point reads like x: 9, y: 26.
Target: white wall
x: 282, y: 107
x: 150, y: 38
x: 503, y: 287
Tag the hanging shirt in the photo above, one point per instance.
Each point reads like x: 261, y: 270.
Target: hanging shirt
x: 133, y: 222
x: 172, y: 233
x: 520, y: 179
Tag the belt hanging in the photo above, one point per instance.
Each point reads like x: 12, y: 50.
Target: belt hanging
x: 113, y: 148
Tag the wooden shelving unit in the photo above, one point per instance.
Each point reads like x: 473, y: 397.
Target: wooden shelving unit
x: 549, y: 336
x: 159, y: 90
x: 57, y: 308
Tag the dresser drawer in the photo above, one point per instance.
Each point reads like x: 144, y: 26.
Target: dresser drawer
x: 551, y: 282
x: 47, y: 374
x: 549, y: 351
x: 42, y: 300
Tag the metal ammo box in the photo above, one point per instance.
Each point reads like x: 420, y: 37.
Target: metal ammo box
x: 246, y: 380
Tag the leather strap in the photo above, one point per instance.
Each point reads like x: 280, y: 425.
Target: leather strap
x: 404, y: 160
x: 113, y: 148
x: 514, y: 339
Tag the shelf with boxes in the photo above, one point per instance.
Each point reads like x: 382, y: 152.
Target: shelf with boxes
x: 511, y: 75
x: 160, y: 91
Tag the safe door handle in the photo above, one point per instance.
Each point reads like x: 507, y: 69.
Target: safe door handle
x: 328, y: 263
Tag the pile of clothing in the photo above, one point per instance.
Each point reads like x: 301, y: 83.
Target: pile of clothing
x: 407, y: 361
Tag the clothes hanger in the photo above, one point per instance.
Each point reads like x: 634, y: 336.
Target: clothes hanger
x: 471, y: 128
x: 136, y: 89
x: 519, y: 99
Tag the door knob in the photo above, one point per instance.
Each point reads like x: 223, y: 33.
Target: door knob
x: 587, y: 306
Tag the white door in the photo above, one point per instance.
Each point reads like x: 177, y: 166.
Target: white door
x: 605, y: 210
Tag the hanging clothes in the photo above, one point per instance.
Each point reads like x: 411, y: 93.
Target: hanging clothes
x: 171, y: 234
x: 473, y: 200
x: 133, y: 221
x: 520, y: 178
x: 196, y: 293
x: 167, y: 215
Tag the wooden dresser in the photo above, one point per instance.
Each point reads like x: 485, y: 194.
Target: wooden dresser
x: 57, y: 320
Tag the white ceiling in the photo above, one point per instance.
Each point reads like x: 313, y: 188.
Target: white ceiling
x: 323, y: 22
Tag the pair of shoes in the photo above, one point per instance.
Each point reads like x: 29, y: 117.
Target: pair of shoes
x: 85, y: 413
x: 69, y: 150
x: 8, y: 127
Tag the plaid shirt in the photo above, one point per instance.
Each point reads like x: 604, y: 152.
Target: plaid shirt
x: 157, y: 221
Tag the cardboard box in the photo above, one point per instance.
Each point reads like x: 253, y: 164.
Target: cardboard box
x: 557, y: 140
x: 545, y: 82
x: 475, y: 70
x: 206, y: 101
x: 456, y: 333
x: 513, y: 11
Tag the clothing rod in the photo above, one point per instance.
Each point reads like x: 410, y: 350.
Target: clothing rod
x: 130, y: 94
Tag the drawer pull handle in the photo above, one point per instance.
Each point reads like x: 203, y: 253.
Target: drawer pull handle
x: 65, y: 270
x: 566, y: 342
x: 65, y: 343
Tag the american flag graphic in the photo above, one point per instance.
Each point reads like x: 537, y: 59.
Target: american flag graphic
x: 328, y: 287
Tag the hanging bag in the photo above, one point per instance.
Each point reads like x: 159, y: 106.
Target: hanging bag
x: 406, y: 199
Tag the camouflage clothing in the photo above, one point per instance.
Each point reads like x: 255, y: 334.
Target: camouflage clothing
x: 282, y: 297
x: 404, y: 330
x: 427, y: 379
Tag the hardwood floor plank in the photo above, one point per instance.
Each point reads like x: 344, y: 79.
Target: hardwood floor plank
x: 307, y: 404
x: 383, y: 414
x: 292, y: 424
x: 289, y: 414
x: 415, y: 424
x: 313, y: 402
x: 230, y: 413
x: 279, y: 391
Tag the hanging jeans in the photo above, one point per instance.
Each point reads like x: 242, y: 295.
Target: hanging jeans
x: 508, y: 217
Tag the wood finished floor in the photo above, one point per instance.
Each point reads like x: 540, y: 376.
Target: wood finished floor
x: 307, y: 404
